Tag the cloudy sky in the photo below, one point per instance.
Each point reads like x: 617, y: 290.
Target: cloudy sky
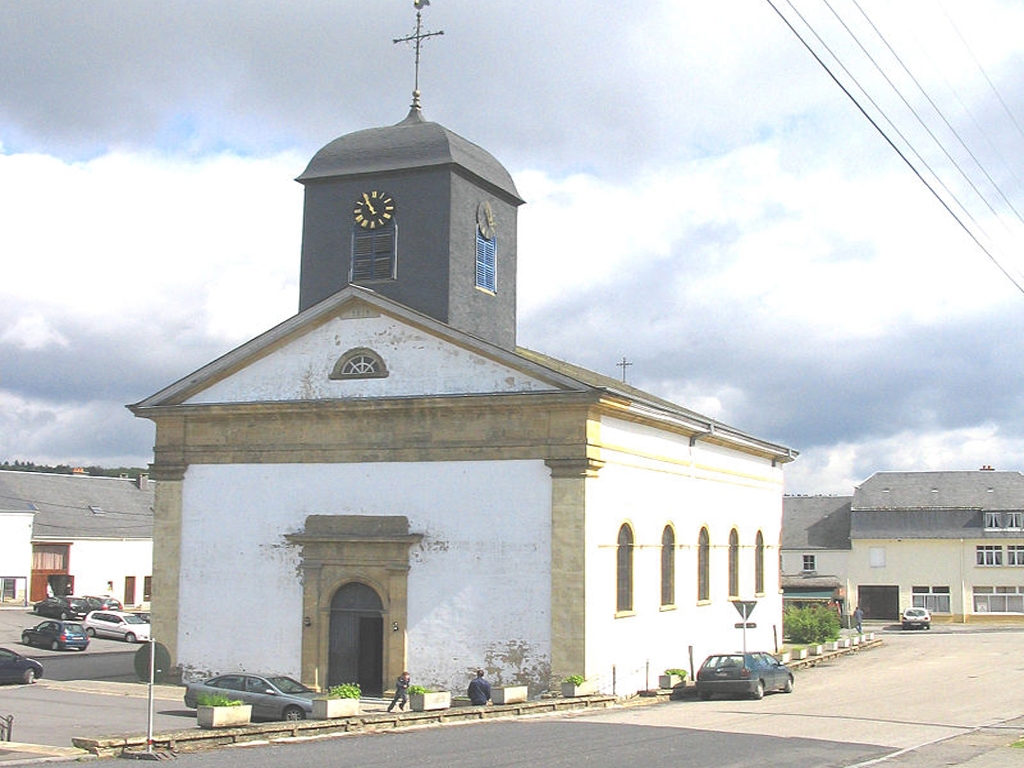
x: 703, y: 200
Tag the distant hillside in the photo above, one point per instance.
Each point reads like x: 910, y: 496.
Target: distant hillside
x: 67, y: 469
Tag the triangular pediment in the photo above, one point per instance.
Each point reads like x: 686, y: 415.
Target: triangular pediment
x: 397, y: 352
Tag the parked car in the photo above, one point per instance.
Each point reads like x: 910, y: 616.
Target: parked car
x: 15, y: 668
x: 116, y: 624
x: 103, y: 603
x: 56, y: 635
x: 272, y: 698
x: 62, y: 607
x: 916, y: 618
x: 751, y: 674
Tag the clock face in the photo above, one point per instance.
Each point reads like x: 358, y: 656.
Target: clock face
x: 485, y: 220
x: 373, y: 210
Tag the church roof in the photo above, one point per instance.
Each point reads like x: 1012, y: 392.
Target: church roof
x: 412, y: 143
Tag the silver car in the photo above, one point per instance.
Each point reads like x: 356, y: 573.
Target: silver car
x: 272, y: 697
x: 118, y: 625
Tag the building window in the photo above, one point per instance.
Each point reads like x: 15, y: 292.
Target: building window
x: 759, y: 564
x: 1015, y: 520
x: 624, y: 570
x: 359, y: 363
x: 935, y: 599
x: 734, y: 563
x: 992, y: 520
x: 989, y: 554
x: 374, y: 255
x: 704, y: 565
x: 668, y: 566
x: 1015, y: 554
x: 810, y: 563
x: 486, y: 261
x: 999, y: 599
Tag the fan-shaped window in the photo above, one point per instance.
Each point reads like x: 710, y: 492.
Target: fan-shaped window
x: 704, y: 565
x: 668, y: 566
x: 360, y: 363
x: 759, y: 564
x: 624, y: 570
x: 734, y: 563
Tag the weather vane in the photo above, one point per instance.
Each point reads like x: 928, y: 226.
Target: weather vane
x: 417, y: 38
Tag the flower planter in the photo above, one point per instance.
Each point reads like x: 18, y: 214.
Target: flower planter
x: 670, y: 681
x: 816, y: 650
x: 223, y: 717
x: 571, y: 690
x: 512, y: 694
x: 425, y: 702
x: 328, y: 709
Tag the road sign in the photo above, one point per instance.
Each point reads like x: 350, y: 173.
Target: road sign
x: 745, y: 607
x: 745, y: 625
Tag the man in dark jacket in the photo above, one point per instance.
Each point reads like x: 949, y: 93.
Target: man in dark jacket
x: 479, y: 689
x: 401, y: 692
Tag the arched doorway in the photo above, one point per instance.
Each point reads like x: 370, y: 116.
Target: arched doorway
x: 356, y: 644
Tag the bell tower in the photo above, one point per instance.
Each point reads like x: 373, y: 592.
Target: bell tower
x: 418, y: 214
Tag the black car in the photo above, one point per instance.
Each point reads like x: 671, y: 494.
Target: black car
x: 749, y: 674
x: 15, y: 668
x: 63, y: 607
x: 57, y: 635
x: 103, y: 603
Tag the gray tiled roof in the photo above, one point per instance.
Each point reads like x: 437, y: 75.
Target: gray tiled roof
x: 934, y: 505
x: 816, y: 522
x: 79, y: 506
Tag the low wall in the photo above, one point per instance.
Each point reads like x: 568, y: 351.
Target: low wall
x: 195, y: 739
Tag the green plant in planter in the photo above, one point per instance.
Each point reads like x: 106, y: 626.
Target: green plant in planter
x: 575, y: 679
x: 417, y: 689
x: 344, y: 691
x: 681, y: 673
x: 216, y: 700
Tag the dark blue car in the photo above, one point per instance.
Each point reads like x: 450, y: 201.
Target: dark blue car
x: 743, y: 674
x: 57, y: 636
x: 15, y: 668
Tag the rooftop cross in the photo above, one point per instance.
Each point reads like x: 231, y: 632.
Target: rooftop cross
x: 417, y: 38
x: 623, y: 364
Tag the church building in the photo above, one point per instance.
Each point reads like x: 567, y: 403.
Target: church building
x: 386, y: 481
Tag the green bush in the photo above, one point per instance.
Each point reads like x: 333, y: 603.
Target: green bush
x: 678, y: 672
x: 216, y: 700
x: 814, y: 624
x: 417, y: 689
x: 575, y: 679
x: 345, y: 691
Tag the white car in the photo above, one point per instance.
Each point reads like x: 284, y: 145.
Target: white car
x: 913, y: 618
x: 116, y: 624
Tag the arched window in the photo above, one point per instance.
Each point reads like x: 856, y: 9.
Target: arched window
x: 359, y: 363
x: 704, y: 565
x: 734, y: 563
x: 759, y: 564
x: 624, y: 570
x: 668, y: 566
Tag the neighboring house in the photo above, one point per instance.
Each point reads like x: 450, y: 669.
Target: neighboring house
x: 952, y: 542
x: 64, y: 534
x: 816, y: 550
x: 387, y: 481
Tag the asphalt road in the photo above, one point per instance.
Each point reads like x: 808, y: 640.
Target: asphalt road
x: 951, y: 696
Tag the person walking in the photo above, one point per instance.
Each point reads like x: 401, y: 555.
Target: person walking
x: 479, y: 690
x: 858, y: 620
x: 401, y: 696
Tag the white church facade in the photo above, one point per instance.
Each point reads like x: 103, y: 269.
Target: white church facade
x: 386, y: 481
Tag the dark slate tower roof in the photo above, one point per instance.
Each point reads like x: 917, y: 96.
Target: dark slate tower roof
x: 414, y: 143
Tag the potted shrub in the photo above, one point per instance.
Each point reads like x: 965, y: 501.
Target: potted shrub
x: 422, y: 700
x: 337, y: 701
x: 219, y: 711
x: 672, y: 678
x: 575, y: 685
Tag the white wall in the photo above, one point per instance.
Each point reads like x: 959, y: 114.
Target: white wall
x: 95, y: 562
x: 657, y: 479
x: 479, y: 584
x: 16, y: 547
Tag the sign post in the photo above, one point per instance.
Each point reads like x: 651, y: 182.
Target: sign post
x: 745, y: 608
